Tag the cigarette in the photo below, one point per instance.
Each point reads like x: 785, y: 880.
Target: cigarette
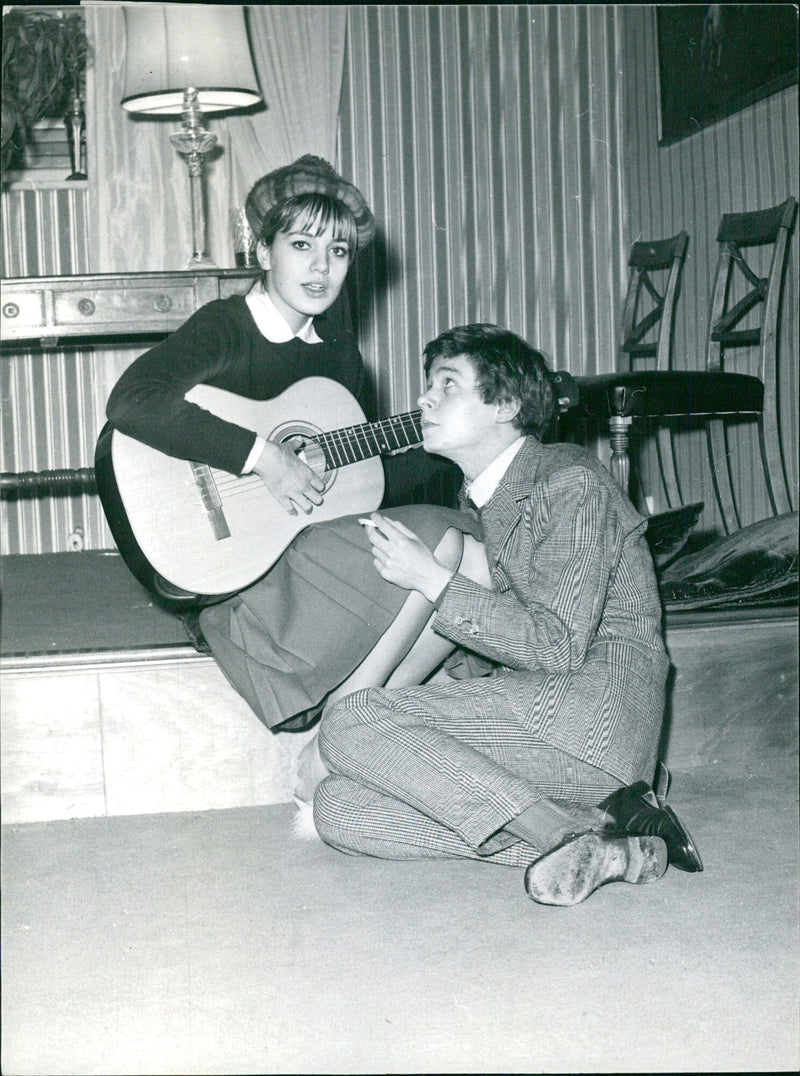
x: 368, y: 523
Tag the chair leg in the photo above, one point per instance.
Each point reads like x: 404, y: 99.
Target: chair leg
x: 721, y: 474
x: 772, y: 462
x: 619, y: 438
x: 666, y: 462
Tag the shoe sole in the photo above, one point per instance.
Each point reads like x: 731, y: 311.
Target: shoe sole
x: 570, y: 874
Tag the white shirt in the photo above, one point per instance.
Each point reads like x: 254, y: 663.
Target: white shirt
x: 274, y: 327
x: 483, y: 486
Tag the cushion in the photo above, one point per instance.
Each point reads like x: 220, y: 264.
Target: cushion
x: 756, y: 565
x: 668, y: 532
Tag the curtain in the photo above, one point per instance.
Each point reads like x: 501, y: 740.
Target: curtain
x: 299, y: 55
x: 488, y: 140
x: 139, y: 185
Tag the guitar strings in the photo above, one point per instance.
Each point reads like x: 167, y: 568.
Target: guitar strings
x: 349, y: 445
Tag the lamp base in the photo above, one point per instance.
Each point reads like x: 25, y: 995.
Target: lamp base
x: 201, y: 261
x: 194, y: 143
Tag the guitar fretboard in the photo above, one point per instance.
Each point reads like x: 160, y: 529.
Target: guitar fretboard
x: 354, y: 443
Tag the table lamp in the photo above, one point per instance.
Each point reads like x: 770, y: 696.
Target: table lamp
x: 187, y: 59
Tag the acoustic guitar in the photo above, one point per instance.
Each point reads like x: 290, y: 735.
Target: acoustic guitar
x: 191, y: 532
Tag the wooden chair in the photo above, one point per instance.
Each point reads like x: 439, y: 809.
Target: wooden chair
x: 713, y: 394
x: 648, y: 322
x: 648, y: 319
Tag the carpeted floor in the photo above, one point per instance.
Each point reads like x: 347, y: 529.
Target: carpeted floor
x: 219, y: 943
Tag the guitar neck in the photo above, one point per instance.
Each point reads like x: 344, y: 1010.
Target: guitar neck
x: 355, y: 443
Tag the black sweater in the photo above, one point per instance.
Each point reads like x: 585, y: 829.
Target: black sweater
x: 220, y: 345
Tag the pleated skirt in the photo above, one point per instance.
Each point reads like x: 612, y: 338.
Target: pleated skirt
x: 291, y: 638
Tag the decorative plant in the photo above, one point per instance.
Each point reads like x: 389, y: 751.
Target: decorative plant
x: 44, y: 57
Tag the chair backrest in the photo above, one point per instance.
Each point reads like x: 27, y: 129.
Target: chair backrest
x: 740, y: 291
x: 745, y: 313
x: 649, y: 313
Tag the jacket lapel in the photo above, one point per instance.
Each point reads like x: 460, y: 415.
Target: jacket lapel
x: 501, y: 514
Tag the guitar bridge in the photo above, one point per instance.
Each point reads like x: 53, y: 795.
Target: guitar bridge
x: 212, y: 502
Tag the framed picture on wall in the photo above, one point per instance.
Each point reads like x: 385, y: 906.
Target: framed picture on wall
x: 715, y: 59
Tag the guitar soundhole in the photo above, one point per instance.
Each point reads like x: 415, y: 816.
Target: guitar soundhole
x: 313, y: 454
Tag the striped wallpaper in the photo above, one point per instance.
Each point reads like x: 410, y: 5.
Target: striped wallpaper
x: 488, y: 140
x: 510, y: 155
x: 52, y: 401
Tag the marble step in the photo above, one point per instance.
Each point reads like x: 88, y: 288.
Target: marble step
x: 107, y: 710
x: 157, y: 730
x: 136, y: 732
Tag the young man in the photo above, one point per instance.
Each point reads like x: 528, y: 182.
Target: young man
x: 526, y: 766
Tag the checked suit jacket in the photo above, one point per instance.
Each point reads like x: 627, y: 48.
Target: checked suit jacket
x: 574, y: 617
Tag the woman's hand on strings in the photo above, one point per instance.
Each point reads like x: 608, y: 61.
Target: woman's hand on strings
x: 291, y: 482
x: 401, y: 558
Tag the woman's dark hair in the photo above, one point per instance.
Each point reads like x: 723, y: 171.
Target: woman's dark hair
x: 311, y: 213
x: 506, y: 368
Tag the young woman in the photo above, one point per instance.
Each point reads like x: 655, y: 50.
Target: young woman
x: 297, y: 634
x: 310, y: 225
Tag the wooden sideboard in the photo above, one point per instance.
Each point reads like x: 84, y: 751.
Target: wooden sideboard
x: 48, y: 312
x: 61, y: 312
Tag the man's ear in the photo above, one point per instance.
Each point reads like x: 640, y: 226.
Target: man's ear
x: 507, y: 410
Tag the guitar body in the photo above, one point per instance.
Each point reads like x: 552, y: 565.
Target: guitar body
x: 212, y: 533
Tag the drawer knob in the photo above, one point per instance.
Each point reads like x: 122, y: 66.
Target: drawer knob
x: 163, y: 304
x: 10, y: 310
x: 86, y: 307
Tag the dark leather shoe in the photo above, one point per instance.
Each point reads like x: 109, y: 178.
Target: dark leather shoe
x: 579, y: 865
x: 631, y: 815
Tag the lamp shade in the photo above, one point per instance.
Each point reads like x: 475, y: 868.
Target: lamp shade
x: 172, y: 47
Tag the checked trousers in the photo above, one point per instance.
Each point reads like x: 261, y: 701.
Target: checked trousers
x: 437, y: 771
